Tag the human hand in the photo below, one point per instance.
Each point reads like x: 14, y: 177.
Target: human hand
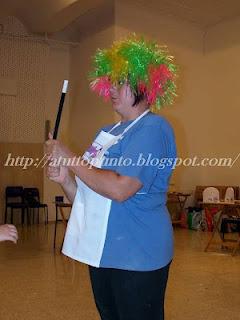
x: 58, y: 174
x: 57, y: 150
x: 8, y: 232
x: 56, y: 171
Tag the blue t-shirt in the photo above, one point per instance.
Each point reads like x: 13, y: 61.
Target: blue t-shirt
x: 139, y: 232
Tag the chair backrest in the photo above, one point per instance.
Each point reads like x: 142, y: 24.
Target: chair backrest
x: 229, y: 194
x: 59, y: 199
x: 15, y: 192
x: 198, y: 195
x: 211, y: 194
x: 31, y: 195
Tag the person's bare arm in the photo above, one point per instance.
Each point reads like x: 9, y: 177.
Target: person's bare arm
x: 70, y: 188
x: 108, y: 183
x: 62, y: 176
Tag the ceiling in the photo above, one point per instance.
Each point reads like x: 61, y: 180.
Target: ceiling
x: 203, y: 13
x: 42, y: 16
x: 54, y: 15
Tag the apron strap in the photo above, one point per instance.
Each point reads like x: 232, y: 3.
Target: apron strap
x: 131, y: 124
x: 135, y: 121
x: 116, y: 125
x: 120, y: 136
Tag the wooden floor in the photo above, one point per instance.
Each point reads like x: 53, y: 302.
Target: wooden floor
x: 38, y: 283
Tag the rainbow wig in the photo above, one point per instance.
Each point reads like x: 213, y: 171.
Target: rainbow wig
x: 146, y: 66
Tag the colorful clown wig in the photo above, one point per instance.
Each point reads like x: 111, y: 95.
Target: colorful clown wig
x: 147, y: 67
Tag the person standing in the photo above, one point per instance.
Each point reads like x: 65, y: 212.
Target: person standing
x: 119, y: 223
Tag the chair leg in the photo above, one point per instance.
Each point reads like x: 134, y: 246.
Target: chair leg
x: 23, y: 213
x: 46, y: 215
x: 215, y: 230
x: 5, y: 217
x: 38, y: 214
x: 11, y: 215
x: 29, y: 212
x: 34, y: 215
x: 62, y: 245
x: 55, y: 230
x: 237, y: 246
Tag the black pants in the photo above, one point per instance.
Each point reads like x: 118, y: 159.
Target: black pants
x: 129, y: 295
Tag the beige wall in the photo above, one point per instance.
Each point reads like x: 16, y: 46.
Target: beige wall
x: 38, y: 69
x: 185, y: 43
x: 222, y: 68
x: 25, y: 63
x: 205, y: 115
x: 88, y: 112
x: 58, y: 70
x: 199, y: 114
x: 84, y: 113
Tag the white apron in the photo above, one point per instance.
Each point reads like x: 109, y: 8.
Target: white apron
x: 87, y: 227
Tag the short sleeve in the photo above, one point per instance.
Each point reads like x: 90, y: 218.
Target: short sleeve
x: 142, y: 153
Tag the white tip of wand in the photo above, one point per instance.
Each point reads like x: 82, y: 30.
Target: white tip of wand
x: 65, y: 86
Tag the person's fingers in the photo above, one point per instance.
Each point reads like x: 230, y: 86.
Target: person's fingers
x: 10, y: 237
x: 11, y: 229
x: 51, y: 149
x: 8, y: 233
x: 11, y: 226
x: 14, y: 235
x: 51, y: 141
x: 13, y: 239
x: 53, y: 172
x: 49, y: 146
x: 49, y: 173
x: 51, y: 158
